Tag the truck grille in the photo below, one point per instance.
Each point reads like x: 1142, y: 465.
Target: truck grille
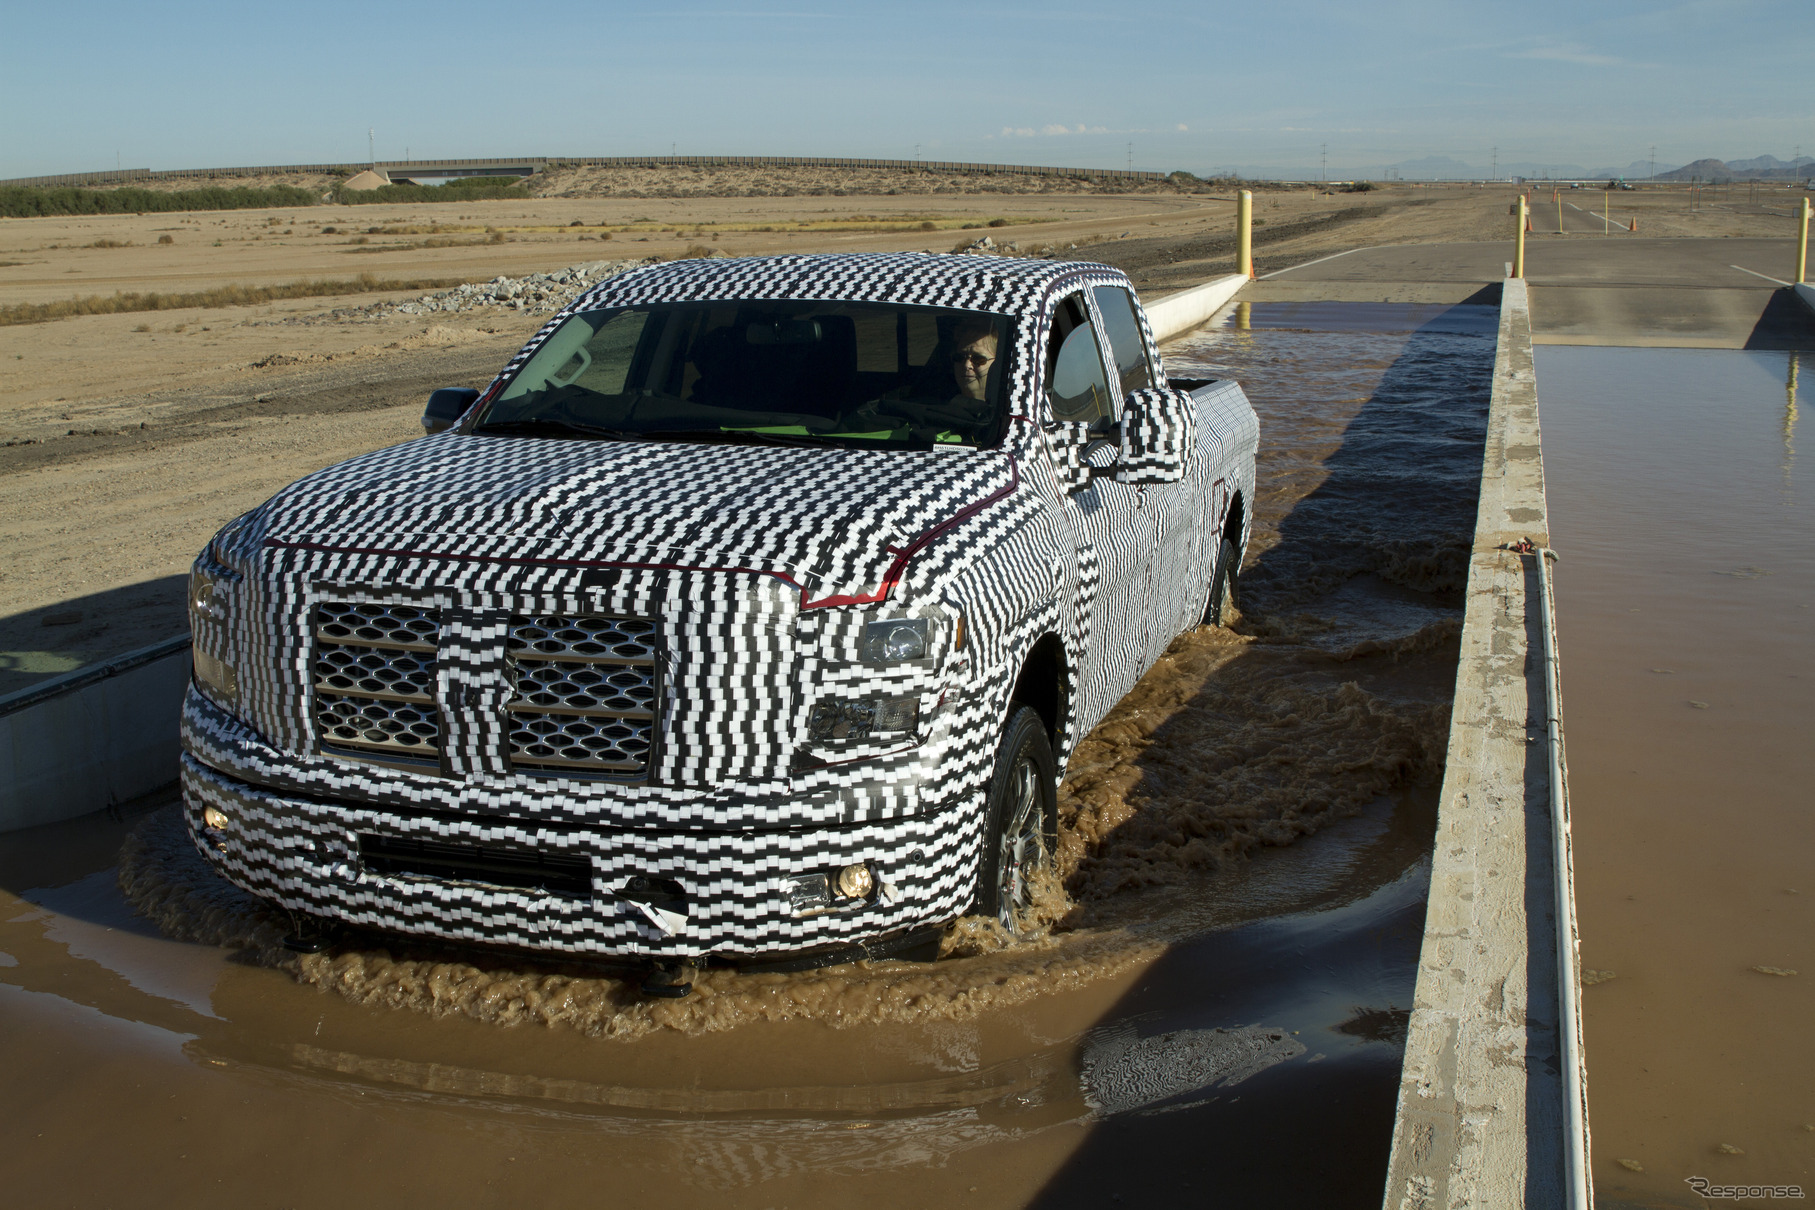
x: 374, y: 675
x: 586, y: 694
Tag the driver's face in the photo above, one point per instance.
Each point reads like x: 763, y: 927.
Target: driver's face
x: 971, y: 364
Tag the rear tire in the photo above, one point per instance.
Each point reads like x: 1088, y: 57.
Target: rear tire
x: 1221, y: 609
x: 1022, y: 835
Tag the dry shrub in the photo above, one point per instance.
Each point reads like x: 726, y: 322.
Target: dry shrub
x: 165, y: 239
x: 697, y: 252
x: 111, y: 243
x: 221, y: 296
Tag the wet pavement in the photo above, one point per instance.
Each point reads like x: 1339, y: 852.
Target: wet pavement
x: 1217, y: 1014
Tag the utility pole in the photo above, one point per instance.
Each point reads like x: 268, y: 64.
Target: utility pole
x: 1325, y: 170
x: 1494, y: 172
x: 372, y: 146
x: 1131, y: 155
x: 1651, y: 164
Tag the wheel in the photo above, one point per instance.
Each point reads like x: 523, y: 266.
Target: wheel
x: 1221, y: 608
x: 1022, y: 835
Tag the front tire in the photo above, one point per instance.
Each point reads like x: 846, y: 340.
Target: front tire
x: 1221, y: 609
x: 1022, y: 837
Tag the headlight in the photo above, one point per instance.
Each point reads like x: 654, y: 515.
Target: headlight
x: 895, y: 641
x: 848, y: 718
x: 210, y: 599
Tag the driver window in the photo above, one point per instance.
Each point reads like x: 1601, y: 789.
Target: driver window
x: 1076, y: 386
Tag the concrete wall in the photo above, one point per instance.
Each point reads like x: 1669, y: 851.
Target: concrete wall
x: 91, y: 738
x: 1480, y: 1100
x: 1176, y: 314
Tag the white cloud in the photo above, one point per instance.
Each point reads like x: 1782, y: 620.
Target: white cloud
x: 1182, y: 126
x: 1055, y: 128
x: 1566, y: 52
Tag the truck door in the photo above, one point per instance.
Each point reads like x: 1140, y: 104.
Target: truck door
x: 1178, y: 581
x: 1111, y: 523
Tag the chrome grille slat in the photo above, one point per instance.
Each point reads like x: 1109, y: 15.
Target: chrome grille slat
x: 586, y: 693
x: 374, y: 679
x: 363, y: 722
x: 339, y: 641
x: 581, y: 639
x: 579, y: 712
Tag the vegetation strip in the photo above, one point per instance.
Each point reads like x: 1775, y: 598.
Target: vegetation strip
x: 26, y: 201
x: 220, y: 296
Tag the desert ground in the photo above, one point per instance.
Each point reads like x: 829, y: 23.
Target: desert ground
x: 127, y: 439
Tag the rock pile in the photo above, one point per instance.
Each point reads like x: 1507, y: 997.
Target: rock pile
x: 984, y: 245
x: 535, y: 294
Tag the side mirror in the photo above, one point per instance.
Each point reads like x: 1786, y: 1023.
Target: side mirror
x: 445, y: 407
x: 1159, y: 427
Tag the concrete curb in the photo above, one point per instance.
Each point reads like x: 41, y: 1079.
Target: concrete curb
x: 1176, y: 314
x: 91, y: 738
x: 1480, y: 1118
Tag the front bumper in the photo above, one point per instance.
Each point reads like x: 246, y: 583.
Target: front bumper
x: 306, y: 853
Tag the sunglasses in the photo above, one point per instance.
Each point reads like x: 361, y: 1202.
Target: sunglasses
x: 976, y: 360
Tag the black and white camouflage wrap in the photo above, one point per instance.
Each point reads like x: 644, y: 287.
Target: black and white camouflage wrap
x: 1159, y: 431
x: 749, y: 573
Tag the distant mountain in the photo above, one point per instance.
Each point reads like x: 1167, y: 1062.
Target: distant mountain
x: 1771, y: 165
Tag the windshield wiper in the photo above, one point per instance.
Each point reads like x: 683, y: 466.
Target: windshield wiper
x: 539, y: 426
x: 547, y: 425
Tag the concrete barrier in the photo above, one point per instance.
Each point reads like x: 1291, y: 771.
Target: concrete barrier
x: 1806, y: 292
x: 1481, y: 1117
x: 91, y: 738
x: 1176, y: 314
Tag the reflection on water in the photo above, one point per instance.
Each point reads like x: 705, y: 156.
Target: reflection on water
x: 1688, y: 641
x: 1245, y: 840
x: 1789, y: 418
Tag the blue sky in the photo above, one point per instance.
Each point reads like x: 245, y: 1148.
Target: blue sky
x: 1260, y: 87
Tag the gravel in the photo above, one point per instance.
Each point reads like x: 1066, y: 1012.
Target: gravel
x: 536, y: 294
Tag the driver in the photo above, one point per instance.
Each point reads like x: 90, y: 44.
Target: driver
x: 973, y: 354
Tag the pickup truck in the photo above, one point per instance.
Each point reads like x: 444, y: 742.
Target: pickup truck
x: 748, y: 616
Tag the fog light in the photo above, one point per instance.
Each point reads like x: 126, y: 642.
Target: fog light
x: 855, y: 882
x: 215, y: 819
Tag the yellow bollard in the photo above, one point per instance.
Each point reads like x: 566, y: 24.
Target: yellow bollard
x: 1519, y: 237
x: 1606, y: 213
x: 1244, y: 233
x: 1802, y: 245
x: 1559, y: 200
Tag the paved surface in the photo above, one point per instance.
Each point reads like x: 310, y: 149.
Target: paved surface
x: 1587, y: 289
x: 1480, y: 1100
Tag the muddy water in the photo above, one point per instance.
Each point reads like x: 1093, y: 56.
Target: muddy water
x: 1686, y: 609
x: 1216, y: 1012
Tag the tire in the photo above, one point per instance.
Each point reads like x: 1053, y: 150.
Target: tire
x: 1221, y: 609
x: 1022, y: 833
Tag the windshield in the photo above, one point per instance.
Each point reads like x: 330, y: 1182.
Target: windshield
x: 840, y: 373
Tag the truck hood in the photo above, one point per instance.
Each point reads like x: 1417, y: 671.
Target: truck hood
x: 838, y: 524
